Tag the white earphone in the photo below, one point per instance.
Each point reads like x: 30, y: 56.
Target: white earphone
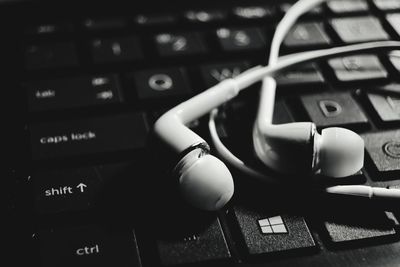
x: 207, y: 183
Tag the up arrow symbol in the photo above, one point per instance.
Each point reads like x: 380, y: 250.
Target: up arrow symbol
x: 81, y: 187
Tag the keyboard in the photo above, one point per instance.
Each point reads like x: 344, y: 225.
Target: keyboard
x: 84, y: 183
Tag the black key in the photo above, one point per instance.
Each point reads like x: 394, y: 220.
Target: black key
x: 394, y: 21
x: 318, y: 10
x: 359, y: 29
x: 48, y: 28
x: 103, y: 24
x: 153, y: 84
x: 265, y: 232
x: 116, y: 49
x: 88, y: 136
x: 358, y: 68
x: 307, y: 34
x: 204, y: 16
x: 154, y: 20
x: 240, y: 39
x: 215, y: 73
x: 66, y: 190
x: 74, y: 92
x: 387, y: 107
x: 253, y: 12
x: 384, y: 150
x: 387, y: 4
x: 351, y: 223
x: 307, y: 75
x: 169, y: 44
x: 88, y: 246
x: 348, y: 6
x: 205, y: 244
x: 333, y: 109
x: 51, y: 55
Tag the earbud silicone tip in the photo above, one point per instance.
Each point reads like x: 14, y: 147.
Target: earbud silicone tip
x: 341, y: 152
x: 207, y: 184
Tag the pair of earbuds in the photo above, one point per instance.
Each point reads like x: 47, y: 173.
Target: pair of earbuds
x: 206, y: 182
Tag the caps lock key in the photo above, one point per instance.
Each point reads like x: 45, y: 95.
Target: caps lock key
x: 88, y: 136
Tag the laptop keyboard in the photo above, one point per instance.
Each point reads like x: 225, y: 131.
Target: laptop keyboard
x: 92, y: 190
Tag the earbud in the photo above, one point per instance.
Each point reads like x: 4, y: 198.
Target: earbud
x: 298, y: 148
x: 205, y: 181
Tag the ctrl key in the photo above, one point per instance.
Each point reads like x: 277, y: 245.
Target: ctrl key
x: 88, y: 246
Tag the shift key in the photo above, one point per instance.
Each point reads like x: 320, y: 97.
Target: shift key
x: 88, y: 136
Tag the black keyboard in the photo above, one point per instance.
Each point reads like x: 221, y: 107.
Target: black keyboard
x: 83, y: 181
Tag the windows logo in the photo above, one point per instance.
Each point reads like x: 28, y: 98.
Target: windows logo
x: 272, y: 225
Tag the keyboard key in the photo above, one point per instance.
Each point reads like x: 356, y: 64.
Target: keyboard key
x: 51, y: 55
x: 48, y: 28
x: 116, y: 49
x: 306, y: 75
x: 88, y: 136
x: 359, y: 29
x: 358, y: 68
x: 154, y: 20
x: 394, y: 21
x: 103, y: 24
x: 240, y: 39
x: 349, y: 223
x: 88, y: 246
x: 204, y: 244
x: 215, y: 73
x: 66, y: 190
x: 265, y: 232
x: 68, y: 93
x: 387, y: 4
x: 318, y: 10
x: 334, y: 109
x: 204, y: 16
x: 307, y: 34
x: 384, y: 150
x: 169, y: 44
x: 387, y: 107
x: 347, y: 6
x: 153, y: 84
x: 253, y: 12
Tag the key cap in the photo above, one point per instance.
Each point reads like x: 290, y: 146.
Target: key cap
x: 394, y: 21
x: 66, y: 190
x: 76, y: 92
x: 203, y: 244
x: 318, y: 10
x: 116, y: 49
x: 307, y: 75
x: 88, y: 136
x: 88, y: 246
x: 103, y: 24
x: 169, y: 44
x: 253, y: 12
x: 204, y: 16
x: 358, y: 68
x: 384, y: 150
x: 240, y: 39
x: 215, y: 73
x: 387, y: 4
x: 153, y: 84
x: 48, y: 28
x: 347, y: 6
x: 307, y: 34
x: 387, y: 107
x: 265, y: 232
x: 154, y: 20
x: 51, y: 55
x: 334, y: 109
x: 359, y: 29
x: 347, y: 221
